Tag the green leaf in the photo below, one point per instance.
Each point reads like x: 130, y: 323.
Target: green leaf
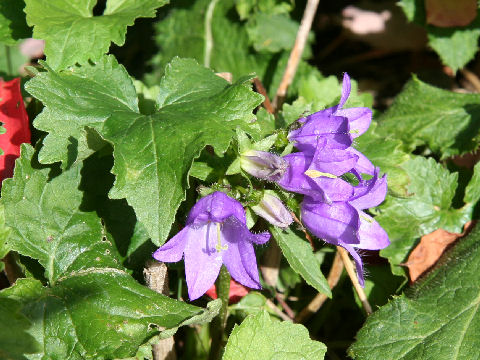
x: 427, y: 208
x: 47, y: 224
x: 272, y: 32
x: 92, y: 307
x: 73, y: 35
x: 153, y: 154
x: 258, y: 337
x: 76, y: 99
x: 448, y: 123
x: 14, y: 339
x: 11, y: 60
x: 437, y: 319
x: 95, y: 313
x: 205, y: 31
x: 301, y: 258
x: 386, y: 153
x: 455, y: 46
x: 414, y: 10
x: 13, y: 25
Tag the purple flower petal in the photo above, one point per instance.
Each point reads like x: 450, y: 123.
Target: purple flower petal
x: 334, y: 129
x: 359, y: 119
x: 333, y: 161
x: 372, y: 235
x: 215, y: 207
x: 346, y: 88
x: 239, y: 257
x: 330, y: 190
x: 202, y: 260
x: 294, y: 178
x: 172, y: 251
x: 363, y: 165
x: 370, y: 193
x: 335, y: 223
x: 272, y: 209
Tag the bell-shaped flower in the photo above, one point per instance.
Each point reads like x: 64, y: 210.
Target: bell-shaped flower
x: 215, y: 233
x: 343, y: 223
x: 272, y: 209
x: 337, y: 126
x: 263, y: 165
x: 318, y: 175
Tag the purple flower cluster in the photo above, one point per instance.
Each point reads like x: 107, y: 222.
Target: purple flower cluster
x: 332, y: 207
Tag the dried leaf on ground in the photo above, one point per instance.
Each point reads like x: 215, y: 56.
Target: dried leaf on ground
x: 447, y: 13
x: 430, y: 248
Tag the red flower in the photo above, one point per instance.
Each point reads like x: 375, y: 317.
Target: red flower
x: 15, y: 120
x: 237, y: 291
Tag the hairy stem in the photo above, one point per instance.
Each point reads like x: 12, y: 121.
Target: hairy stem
x: 296, y: 53
x: 353, y: 277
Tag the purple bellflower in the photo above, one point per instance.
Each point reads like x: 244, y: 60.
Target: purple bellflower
x: 343, y: 223
x: 317, y: 175
x: 215, y: 233
x: 337, y: 127
x: 263, y: 165
x: 272, y: 209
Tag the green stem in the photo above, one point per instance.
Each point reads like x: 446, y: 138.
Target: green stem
x: 9, y: 60
x: 217, y: 328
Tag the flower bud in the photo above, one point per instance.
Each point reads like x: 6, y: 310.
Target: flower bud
x: 263, y: 165
x: 273, y: 210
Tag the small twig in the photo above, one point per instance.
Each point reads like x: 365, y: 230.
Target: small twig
x: 261, y: 90
x: 314, y: 305
x: 307, y: 235
x: 288, y: 309
x: 277, y: 311
x: 156, y: 277
x: 353, y: 277
x: 472, y: 78
x: 296, y: 53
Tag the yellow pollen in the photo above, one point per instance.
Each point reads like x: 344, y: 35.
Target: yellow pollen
x: 219, y: 246
x: 315, y: 174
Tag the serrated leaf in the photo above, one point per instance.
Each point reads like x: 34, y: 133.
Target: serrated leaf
x: 455, y: 46
x: 258, y: 337
x: 47, y: 224
x: 14, y: 339
x: 92, y: 307
x: 153, y: 153
x: 386, y: 153
x: 73, y: 35
x: 75, y: 99
x: 272, y: 32
x: 427, y: 208
x: 95, y: 313
x: 301, y: 258
x: 438, y: 319
x: 448, y: 123
x: 13, y: 26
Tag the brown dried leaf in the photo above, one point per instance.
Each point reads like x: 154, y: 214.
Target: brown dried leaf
x: 429, y: 250
x: 448, y: 13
